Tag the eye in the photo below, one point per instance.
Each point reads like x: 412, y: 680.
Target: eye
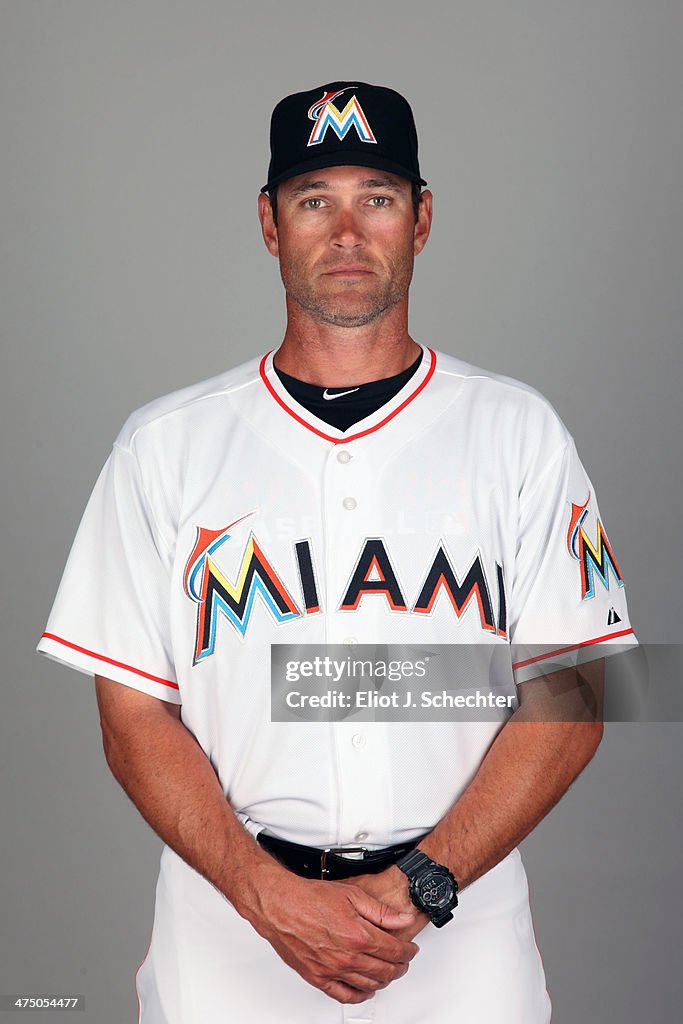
x: 379, y: 201
x: 308, y: 203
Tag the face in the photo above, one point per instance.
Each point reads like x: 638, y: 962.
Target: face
x: 346, y: 239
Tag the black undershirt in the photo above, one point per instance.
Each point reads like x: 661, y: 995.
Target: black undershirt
x: 347, y: 409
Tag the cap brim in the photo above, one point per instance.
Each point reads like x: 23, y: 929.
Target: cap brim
x: 345, y: 159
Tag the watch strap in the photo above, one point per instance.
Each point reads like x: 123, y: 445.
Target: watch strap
x: 439, y: 920
x: 413, y: 859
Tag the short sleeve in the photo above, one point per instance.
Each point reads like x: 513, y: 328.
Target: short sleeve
x: 568, y: 598
x: 111, y: 613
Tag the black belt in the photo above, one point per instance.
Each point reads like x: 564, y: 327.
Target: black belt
x: 311, y: 862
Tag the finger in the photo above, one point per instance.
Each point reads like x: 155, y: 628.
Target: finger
x: 379, y: 913
x: 372, y: 974
x: 388, y: 947
x: 344, y: 993
x: 364, y: 984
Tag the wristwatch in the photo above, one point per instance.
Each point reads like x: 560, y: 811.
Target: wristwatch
x: 432, y: 886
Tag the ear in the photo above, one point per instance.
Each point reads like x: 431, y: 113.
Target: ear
x: 268, y: 228
x: 424, y: 221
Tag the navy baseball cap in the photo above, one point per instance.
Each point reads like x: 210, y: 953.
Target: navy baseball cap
x: 342, y: 123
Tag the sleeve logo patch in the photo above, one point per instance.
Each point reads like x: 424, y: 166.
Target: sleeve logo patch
x: 595, y: 559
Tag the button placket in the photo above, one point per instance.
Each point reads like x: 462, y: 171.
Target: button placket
x: 360, y: 746
x: 345, y: 485
x: 361, y: 789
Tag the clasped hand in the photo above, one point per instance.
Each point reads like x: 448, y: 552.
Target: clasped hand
x: 347, y: 938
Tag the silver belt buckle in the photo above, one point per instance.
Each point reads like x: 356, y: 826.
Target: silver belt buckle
x: 324, y: 870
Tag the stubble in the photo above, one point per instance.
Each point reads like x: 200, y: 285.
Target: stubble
x: 349, y: 304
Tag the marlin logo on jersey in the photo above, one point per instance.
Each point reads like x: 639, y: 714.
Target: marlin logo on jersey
x: 326, y: 115
x: 594, y: 559
x: 205, y: 584
x: 373, y: 577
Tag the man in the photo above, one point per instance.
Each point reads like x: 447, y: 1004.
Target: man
x: 353, y: 487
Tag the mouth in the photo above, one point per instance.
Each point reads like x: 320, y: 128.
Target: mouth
x: 348, y: 272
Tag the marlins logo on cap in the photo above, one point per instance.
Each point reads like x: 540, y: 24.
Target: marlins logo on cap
x: 354, y: 123
x: 326, y: 115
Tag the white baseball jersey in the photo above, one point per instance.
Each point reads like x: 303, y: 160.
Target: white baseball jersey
x: 228, y: 518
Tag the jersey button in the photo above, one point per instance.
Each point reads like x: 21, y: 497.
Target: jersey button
x: 343, y: 456
x: 361, y: 837
x: 349, y: 504
x: 358, y: 740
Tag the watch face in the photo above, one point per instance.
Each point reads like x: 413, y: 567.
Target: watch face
x: 435, y: 890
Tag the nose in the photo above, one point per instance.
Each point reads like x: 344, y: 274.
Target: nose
x: 347, y: 230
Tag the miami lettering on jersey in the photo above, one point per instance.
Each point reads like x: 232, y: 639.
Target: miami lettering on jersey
x: 372, y: 576
x: 594, y: 559
x: 326, y: 115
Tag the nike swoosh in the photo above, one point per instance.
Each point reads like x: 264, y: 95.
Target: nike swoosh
x: 340, y: 394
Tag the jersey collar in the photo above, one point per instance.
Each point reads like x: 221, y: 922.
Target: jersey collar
x: 370, y: 424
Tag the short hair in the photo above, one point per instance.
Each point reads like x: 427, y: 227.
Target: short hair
x: 415, y: 193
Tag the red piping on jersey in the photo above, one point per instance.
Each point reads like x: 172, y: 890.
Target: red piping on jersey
x: 574, y: 647
x: 110, y: 661
x: 361, y: 433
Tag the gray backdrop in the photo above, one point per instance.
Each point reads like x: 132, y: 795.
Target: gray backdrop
x: 134, y: 141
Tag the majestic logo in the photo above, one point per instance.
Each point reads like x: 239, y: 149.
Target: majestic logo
x: 594, y: 559
x: 326, y: 115
x: 372, y: 578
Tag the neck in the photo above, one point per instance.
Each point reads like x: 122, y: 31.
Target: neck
x: 333, y: 356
